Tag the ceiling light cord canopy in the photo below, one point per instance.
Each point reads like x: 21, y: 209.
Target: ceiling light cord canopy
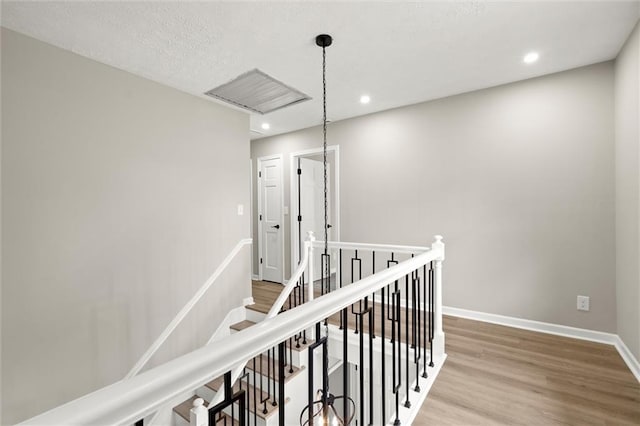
x: 324, y: 411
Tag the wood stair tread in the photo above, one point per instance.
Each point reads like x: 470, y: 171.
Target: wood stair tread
x: 265, y: 294
x: 288, y: 374
x: 217, y: 385
x: 242, y: 325
x: 184, y: 410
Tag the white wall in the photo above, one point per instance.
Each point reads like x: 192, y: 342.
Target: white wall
x: 518, y: 178
x: 627, y: 160
x: 118, y: 201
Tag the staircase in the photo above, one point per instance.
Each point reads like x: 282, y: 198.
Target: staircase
x: 260, y: 377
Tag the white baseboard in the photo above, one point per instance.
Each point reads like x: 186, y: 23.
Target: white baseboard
x: 628, y: 357
x: 543, y: 327
x: 556, y: 329
x: 255, y: 277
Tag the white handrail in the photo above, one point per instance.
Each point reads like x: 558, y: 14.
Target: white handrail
x: 372, y: 247
x: 297, y: 274
x: 127, y: 401
x: 186, y: 309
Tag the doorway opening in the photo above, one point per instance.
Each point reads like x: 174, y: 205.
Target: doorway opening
x: 270, y: 219
x: 307, y: 199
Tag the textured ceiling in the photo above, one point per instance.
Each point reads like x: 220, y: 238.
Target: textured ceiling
x: 397, y: 52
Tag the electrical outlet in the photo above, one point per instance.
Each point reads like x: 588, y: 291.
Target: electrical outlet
x: 240, y: 209
x: 583, y: 303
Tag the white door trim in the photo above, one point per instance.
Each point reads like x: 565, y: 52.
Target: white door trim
x: 258, y: 168
x: 293, y: 197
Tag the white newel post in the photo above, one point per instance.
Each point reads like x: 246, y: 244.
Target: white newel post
x: 438, y: 342
x: 199, y: 415
x: 309, y: 247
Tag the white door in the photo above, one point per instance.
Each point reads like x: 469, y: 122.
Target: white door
x: 312, y: 204
x: 270, y: 216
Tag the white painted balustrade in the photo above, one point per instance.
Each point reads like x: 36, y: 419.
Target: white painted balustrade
x: 279, y: 303
x: 141, y: 395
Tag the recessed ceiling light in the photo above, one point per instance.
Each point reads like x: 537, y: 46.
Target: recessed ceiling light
x: 365, y: 99
x: 266, y: 126
x: 531, y: 57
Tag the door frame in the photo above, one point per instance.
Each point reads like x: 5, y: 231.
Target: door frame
x: 293, y: 196
x: 259, y: 161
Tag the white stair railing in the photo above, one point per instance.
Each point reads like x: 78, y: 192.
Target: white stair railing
x: 127, y: 401
x: 277, y: 306
x: 186, y: 309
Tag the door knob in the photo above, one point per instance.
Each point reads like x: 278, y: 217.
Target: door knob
x: 329, y: 225
x: 276, y: 226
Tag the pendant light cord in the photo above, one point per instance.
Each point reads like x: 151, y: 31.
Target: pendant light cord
x: 326, y: 222
x: 324, y: 132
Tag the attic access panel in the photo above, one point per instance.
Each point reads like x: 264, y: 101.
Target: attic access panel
x: 258, y: 92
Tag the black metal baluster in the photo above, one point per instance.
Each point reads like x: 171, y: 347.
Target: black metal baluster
x: 407, y: 338
x: 263, y: 401
x: 216, y: 413
x: 319, y: 341
x: 413, y: 312
x: 228, y: 388
x: 241, y: 383
x: 382, y: 357
x: 418, y: 347
x: 389, y: 263
x: 373, y: 304
x: 290, y: 356
x: 361, y: 366
x: 353, y: 260
x: 241, y: 413
x: 255, y: 394
x: 140, y: 422
x: 345, y: 363
x: 310, y: 382
x: 431, y: 314
x: 264, y: 410
x: 396, y: 354
x: 371, y: 323
x: 424, y: 321
x: 273, y: 360
x: 343, y: 322
x: 281, y: 397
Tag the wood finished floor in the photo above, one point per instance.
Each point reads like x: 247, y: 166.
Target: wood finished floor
x: 496, y: 375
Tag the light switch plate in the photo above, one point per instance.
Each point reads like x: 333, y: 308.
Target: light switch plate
x: 583, y: 303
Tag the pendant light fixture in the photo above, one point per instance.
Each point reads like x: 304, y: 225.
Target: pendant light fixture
x: 324, y: 41
x: 324, y: 410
